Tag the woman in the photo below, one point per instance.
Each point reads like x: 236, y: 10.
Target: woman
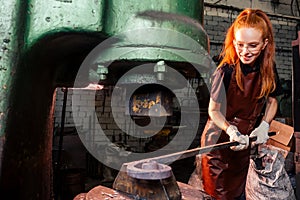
x: 242, y: 103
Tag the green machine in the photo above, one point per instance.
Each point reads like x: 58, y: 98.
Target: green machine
x: 43, y: 45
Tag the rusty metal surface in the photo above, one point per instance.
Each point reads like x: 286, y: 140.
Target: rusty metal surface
x: 163, y: 189
x: 80, y: 196
x: 102, y: 192
x: 190, y: 193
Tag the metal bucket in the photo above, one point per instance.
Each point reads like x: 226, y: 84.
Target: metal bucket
x: 72, y: 183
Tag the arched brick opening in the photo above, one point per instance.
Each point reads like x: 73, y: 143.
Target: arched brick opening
x: 27, y: 154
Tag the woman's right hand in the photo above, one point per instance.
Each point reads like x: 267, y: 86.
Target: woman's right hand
x: 235, y: 135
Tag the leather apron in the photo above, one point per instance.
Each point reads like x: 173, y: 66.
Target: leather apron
x: 224, y: 171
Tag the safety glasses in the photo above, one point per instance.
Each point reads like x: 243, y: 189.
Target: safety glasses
x: 252, y: 48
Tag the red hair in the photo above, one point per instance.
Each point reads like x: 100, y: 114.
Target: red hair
x: 251, y: 18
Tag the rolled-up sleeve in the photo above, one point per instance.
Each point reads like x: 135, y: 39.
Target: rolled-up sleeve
x: 278, y: 89
x: 217, y: 92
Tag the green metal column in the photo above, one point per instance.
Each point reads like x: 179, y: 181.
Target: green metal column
x: 24, y: 23
x: 40, y: 41
x: 154, y: 26
x: 11, y: 46
x: 62, y: 16
x: 122, y: 15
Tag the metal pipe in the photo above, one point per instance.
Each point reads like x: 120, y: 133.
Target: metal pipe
x: 193, y: 152
x: 62, y: 126
x: 60, y: 144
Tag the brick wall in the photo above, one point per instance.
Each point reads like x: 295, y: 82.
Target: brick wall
x: 283, y: 7
x: 91, y: 112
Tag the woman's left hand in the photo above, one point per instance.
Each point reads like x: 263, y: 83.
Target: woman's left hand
x: 261, y: 132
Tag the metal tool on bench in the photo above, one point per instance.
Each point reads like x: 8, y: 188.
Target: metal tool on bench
x: 152, y: 179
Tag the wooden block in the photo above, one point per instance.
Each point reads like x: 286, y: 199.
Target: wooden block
x: 283, y: 137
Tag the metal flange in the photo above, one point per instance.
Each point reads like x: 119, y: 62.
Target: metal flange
x: 149, y: 170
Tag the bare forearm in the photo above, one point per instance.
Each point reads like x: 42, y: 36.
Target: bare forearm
x: 271, y: 109
x: 219, y: 120
x: 216, y: 115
